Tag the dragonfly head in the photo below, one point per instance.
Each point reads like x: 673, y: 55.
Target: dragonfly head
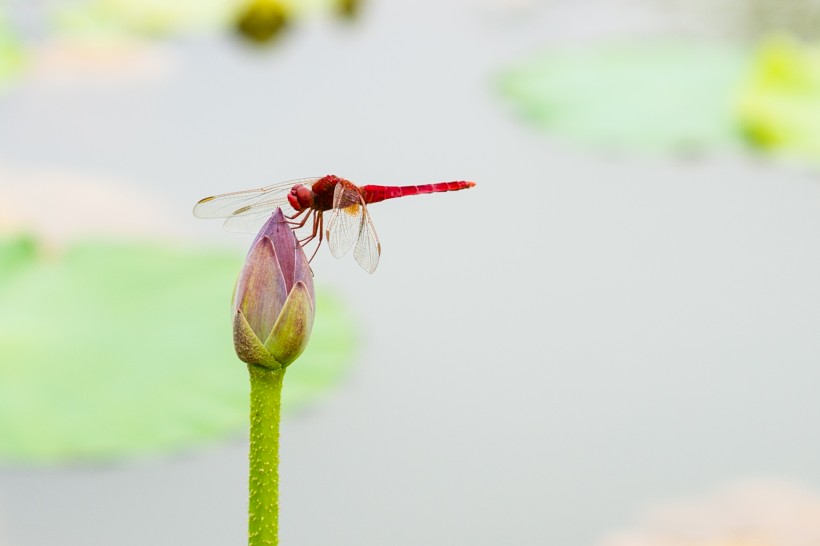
x: 300, y: 197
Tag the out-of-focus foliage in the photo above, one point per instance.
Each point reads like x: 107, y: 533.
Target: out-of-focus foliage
x: 762, y: 17
x: 348, y: 9
x: 151, y: 17
x: 109, y: 24
x: 113, y: 350
x: 261, y: 21
x: 11, y: 52
x: 746, y: 20
x: 656, y: 96
x: 779, y: 105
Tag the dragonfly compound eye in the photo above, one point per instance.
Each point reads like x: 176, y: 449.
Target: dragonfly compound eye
x: 300, y: 197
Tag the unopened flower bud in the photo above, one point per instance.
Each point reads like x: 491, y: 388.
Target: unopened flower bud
x: 274, y: 302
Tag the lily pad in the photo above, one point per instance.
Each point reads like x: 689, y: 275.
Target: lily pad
x: 665, y: 96
x: 12, y: 58
x: 113, y: 18
x: 111, y: 350
x: 116, y: 18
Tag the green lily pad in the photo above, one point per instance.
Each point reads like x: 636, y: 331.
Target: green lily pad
x: 665, y: 96
x: 12, y: 58
x: 111, y: 350
x: 115, y: 18
x: 779, y: 104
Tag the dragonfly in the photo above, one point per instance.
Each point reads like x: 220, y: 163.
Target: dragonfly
x: 348, y: 226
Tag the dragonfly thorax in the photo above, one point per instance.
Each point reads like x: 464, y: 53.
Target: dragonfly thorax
x: 300, y: 197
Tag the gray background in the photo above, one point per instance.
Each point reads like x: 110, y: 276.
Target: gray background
x: 578, y: 337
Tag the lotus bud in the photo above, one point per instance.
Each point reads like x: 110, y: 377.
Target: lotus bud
x: 274, y: 301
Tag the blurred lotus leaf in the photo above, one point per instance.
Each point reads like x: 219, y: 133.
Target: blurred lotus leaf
x: 111, y: 350
x: 12, y: 57
x: 261, y: 21
x: 649, y: 96
x: 146, y: 17
x: 779, y: 105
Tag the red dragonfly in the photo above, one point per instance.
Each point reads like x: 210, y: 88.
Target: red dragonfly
x: 310, y: 198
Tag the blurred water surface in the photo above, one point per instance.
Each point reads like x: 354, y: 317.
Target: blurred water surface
x: 543, y: 356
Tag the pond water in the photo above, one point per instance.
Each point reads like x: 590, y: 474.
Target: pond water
x: 577, y: 338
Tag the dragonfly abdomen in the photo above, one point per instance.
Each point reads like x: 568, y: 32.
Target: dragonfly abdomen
x: 374, y: 194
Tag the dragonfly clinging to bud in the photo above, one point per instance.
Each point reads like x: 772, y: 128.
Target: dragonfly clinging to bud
x: 309, y: 199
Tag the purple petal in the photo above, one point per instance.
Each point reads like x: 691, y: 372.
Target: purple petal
x: 284, y: 241
x: 261, y: 290
x: 302, y: 272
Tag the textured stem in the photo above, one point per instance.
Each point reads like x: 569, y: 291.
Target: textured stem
x: 263, y: 480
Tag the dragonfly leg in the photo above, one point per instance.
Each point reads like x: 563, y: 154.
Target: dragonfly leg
x: 320, y: 224
x: 298, y: 225
x: 316, y: 215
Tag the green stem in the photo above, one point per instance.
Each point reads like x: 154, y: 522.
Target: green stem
x: 263, y: 480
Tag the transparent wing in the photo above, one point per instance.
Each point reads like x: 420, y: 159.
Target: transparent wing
x: 347, y: 218
x: 368, y: 248
x: 259, y: 201
x: 249, y: 223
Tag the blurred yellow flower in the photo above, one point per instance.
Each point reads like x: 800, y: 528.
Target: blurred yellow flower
x: 778, y: 106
